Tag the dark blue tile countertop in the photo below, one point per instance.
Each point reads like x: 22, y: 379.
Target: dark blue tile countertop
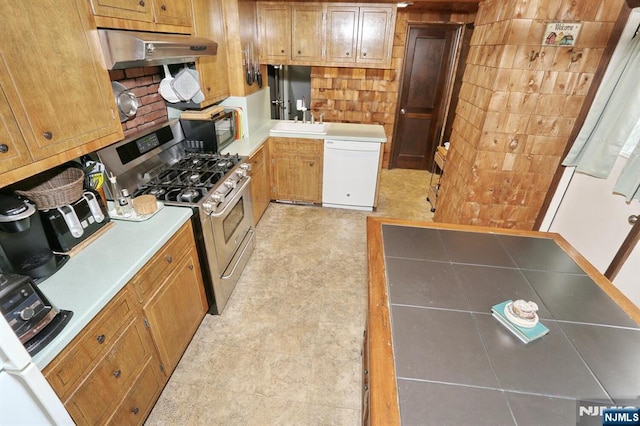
x: 455, y: 364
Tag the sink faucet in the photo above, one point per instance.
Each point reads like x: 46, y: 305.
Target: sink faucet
x: 321, y: 115
x: 304, y: 110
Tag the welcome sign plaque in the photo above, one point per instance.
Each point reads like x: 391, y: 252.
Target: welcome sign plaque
x: 561, y: 34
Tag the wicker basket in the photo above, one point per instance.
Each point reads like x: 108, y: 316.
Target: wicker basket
x: 63, y: 188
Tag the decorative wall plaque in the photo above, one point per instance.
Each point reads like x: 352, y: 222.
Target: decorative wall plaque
x: 561, y: 34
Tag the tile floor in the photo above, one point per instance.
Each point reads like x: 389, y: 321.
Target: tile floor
x: 287, y: 348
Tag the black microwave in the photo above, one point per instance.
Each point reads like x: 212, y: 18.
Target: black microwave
x: 210, y: 134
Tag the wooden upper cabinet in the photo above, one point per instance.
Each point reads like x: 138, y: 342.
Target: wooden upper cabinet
x: 171, y: 16
x: 136, y: 10
x: 213, y: 70
x: 54, y: 81
x: 13, y: 149
x: 375, y: 34
x: 342, y: 33
x: 307, y: 40
x: 274, y: 21
x: 173, y: 12
x: 327, y: 34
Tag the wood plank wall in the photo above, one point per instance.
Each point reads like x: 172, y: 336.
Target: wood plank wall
x: 370, y: 96
x: 517, y: 108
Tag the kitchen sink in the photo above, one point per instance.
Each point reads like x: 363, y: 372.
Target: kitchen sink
x: 290, y: 126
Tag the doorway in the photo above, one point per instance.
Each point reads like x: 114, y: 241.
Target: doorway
x: 425, y: 93
x: 287, y: 84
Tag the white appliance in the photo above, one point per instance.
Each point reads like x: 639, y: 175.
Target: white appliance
x: 350, y: 174
x: 26, y: 398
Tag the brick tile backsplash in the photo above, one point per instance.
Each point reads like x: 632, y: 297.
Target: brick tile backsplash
x: 144, y: 83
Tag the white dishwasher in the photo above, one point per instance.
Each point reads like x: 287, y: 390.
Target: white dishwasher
x: 350, y: 174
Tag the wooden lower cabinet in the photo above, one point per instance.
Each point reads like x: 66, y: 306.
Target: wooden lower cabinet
x: 260, y: 186
x: 115, y: 369
x: 175, y: 311
x: 296, y: 169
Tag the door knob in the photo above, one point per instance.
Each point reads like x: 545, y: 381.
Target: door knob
x: 402, y: 111
x: 633, y: 219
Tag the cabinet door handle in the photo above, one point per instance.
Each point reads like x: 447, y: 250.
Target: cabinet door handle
x: 163, y: 7
x: 191, y: 267
x: 117, y: 373
x: 48, y: 135
x: 364, y: 53
x: 347, y: 53
x: 135, y: 410
x: 141, y: 3
x: 282, y: 51
x: 4, y: 148
x: 169, y: 259
x: 100, y: 339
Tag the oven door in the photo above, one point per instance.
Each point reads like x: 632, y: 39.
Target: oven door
x: 231, y: 225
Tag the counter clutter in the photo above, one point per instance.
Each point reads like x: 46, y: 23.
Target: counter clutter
x: 94, y: 276
x: 435, y: 355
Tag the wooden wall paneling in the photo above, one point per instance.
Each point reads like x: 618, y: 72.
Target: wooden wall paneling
x: 586, y: 105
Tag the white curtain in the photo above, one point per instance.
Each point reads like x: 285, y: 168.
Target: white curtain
x: 613, y: 123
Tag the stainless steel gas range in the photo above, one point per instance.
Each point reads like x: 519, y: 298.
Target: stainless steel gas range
x: 215, y: 186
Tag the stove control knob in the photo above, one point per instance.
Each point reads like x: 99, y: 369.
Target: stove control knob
x: 208, y: 206
x: 217, y: 197
x: 242, y: 173
x: 27, y: 313
x: 230, y: 183
x: 245, y: 166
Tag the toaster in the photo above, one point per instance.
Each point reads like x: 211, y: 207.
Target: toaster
x: 69, y: 225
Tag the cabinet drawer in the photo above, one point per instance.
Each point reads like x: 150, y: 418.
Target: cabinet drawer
x: 148, y: 280
x: 308, y: 147
x: 112, y: 377
x: 138, y: 403
x: 95, y: 339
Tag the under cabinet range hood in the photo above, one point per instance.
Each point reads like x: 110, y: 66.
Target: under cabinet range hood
x: 129, y: 49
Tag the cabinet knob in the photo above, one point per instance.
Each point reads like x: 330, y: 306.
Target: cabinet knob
x: 282, y: 51
x: 208, y: 89
x: 169, y: 259
x: 347, y: 53
x: 48, y: 135
x: 135, y: 410
x: 141, y: 3
x: 163, y: 7
x: 191, y: 267
x: 4, y: 148
x: 100, y: 339
x: 299, y: 52
x: 117, y: 373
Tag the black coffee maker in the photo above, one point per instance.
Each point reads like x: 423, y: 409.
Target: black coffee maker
x: 24, y: 248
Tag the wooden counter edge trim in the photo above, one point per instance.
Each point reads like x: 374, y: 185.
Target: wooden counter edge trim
x: 607, y: 286
x: 384, y: 408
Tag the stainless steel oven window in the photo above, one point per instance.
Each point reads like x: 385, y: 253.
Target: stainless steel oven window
x: 231, y: 222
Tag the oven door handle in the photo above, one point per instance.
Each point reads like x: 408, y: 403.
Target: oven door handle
x: 232, y: 202
x: 246, y: 246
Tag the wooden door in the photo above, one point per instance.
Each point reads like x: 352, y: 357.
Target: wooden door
x: 296, y: 169
x: 275, y: 32
x: 173, y: 12
x: 308, y: 30
x: 126, y: 9
x: 342, y: 32
x: 375, y: 35
x: 428, y: 67
x: 213, y: 70
x: 63, y: 93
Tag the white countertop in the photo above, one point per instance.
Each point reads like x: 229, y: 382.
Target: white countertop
x: 336, y: 131
x: 92, y: 277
